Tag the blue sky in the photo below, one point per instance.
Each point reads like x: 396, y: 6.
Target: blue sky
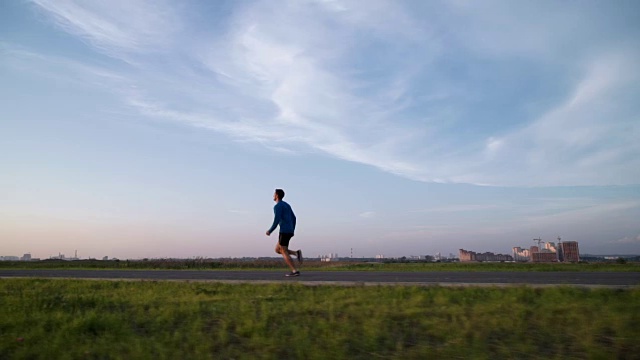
x: 159, y: 128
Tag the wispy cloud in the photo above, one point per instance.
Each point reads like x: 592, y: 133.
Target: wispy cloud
x: 59, y: 68
x: 116, y: 27
x: 373, y: 84
x: 584, y: 214
x: 627, y: 240
x: 367, y: 214
x: 461, y: 208
x: 568, y: 144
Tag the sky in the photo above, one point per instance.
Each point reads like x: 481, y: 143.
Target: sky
x: 147, y: 129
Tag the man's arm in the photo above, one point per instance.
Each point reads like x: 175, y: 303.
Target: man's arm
x: 294, y: 220
x: 277, y: 215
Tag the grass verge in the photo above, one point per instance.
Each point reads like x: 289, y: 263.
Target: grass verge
x: 45, y: 319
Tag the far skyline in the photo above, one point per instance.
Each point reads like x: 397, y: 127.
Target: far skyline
x: 350, y: 252
x: 158, y: 128
x: 449, y: 255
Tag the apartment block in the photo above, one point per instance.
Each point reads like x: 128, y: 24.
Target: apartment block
x: 570, y: 251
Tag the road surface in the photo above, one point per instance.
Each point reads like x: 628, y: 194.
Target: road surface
x: 538, y: 279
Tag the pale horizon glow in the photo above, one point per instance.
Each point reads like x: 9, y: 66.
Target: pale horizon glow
x: 160, y: 129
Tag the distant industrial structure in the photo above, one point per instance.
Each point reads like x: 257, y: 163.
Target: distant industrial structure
x: 330, y: 257
x: 61, y: 256
x: 466, y: 256
x: 564, y: 251
x: 28, y: 257
x: 9, y: 258
x: 25, y: 257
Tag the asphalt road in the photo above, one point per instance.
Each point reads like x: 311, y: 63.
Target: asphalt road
x: 589, y: 279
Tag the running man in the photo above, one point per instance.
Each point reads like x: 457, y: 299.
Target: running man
x: 286, y: 219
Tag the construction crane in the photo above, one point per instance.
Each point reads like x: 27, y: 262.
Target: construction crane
x: 539, y: 241
x: 559, y: 250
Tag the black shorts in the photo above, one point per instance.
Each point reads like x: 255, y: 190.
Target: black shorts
x: 284, y: 238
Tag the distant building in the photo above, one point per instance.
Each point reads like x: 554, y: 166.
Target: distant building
x: 9, y: 258
x: 520, y: 254
x: 75, y: 256
x: 546, y: 254
x: 26, y: 257
x: 380, y: 256
x: 421, y: 257
x: 570, y: 251
x: 566, y: 251
x: 330, y: 257
x: 466, y: 256
x: 544, y: 257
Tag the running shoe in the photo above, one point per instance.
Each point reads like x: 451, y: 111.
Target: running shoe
x: 293, y: 273
x: 299, y: 254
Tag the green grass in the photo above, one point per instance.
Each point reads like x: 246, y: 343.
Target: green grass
x: 273, y: 264
x: 84, y: 319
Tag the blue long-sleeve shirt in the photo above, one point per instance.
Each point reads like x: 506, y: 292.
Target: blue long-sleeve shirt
x: 283, y: 216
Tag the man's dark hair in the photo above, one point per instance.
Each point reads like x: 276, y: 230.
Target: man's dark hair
x: 280, y: 193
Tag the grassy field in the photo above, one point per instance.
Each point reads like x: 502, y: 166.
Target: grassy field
x: 278, y: 264
x: 75, y: 319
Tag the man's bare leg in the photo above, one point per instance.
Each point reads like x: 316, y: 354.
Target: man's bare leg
x: 284, y: 251
x: 291, y: 252
x: 287, y: 258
